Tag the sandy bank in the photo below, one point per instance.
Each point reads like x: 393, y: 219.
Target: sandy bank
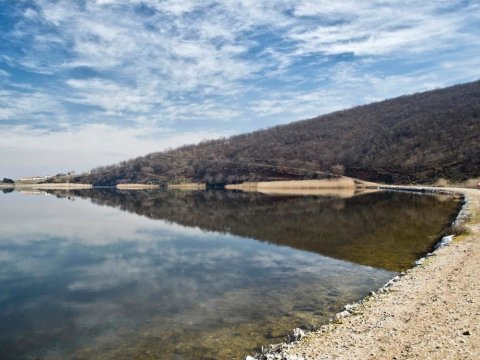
x: 187, y: 186
x: 341, y: 188
x: 137, y: 186
x: 430, y: 312
x: 342, y: 183
x: 59, y: 186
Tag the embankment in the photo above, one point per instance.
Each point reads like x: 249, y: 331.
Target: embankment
x: 429, y: 312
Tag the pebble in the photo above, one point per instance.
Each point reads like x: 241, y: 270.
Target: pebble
x: 419, y: 261
x: 350, y: 307
x: 295, y: 335
x: 342, y: 314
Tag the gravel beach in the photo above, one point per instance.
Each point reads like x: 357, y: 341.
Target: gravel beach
x: 431, y: 312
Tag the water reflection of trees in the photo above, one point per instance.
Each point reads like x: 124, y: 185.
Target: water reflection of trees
x: 386, y: 230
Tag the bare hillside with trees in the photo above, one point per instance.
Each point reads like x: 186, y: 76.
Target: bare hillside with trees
x: 417, y: 138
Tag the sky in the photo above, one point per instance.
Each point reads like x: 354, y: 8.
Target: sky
x: 85, y: 83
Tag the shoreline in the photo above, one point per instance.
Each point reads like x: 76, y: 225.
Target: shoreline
x: 134, y: 186
x: 53, y: 186
x: 400, y: 320
x: 187, y: 186
x: 285, y: 185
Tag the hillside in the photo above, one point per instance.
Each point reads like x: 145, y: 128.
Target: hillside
x: 416, y: 138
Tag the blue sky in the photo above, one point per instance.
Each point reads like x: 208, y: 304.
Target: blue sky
x: 87, y: 83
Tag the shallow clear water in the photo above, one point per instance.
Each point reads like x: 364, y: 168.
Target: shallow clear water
x: 193, y: 275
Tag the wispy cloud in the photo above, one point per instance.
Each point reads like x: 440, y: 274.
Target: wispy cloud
x: 81, y: 148
x: 209, y: 63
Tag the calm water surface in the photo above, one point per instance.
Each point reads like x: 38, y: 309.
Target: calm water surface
x: 103, y: 274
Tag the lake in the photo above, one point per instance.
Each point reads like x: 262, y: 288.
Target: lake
x: 107, y: 274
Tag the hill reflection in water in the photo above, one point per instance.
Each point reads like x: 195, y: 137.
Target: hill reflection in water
x: 384, y: 230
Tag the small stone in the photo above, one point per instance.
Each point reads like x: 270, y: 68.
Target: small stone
x: 466, y: 333
x: 419, y: 261
x: 296, y: 335
x: 388, y: 284
x: 250, y: 358
x: 350, y: 307
x: 342, y: 314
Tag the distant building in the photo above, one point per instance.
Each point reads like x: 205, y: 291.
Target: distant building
x: 35, y: 178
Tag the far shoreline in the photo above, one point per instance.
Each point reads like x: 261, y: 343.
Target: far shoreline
x: 52, y: 186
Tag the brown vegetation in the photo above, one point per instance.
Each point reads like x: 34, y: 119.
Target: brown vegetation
x: 411, y: 139
x: 469, y: 183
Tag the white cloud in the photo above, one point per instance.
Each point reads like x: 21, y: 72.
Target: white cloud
x: 378, y: 27
x: 173, y: 50
x: 162, y: 63
x: 110, y: 96
x: 16, y: 104
x: 107, y: 34
x: 350, y: 86
x: 38, y: 151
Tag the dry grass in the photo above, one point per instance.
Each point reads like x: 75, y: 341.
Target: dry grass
x: 137, y: 186
x: 187, y: 186
x: 470, y: 183
x: 442, y: 183
x: 338, y: 192
x: 341, y: 183
x: 456, y: 230
x: 246, y: 186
